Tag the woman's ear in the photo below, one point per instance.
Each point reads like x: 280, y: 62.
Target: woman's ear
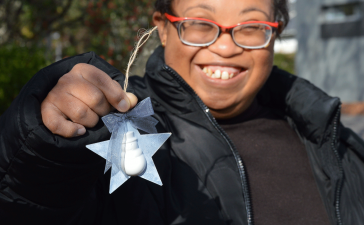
x: 159, y: 20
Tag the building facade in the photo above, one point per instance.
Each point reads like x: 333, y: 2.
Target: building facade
x: 330, y: 53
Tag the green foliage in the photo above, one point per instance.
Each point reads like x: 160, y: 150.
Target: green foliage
x: 285, y: 62
x: 18, y: 64
x: 108, y: 27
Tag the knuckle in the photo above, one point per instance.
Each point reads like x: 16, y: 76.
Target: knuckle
x: 65, y: 79
x: 101, y: 80
x: 66, y: 76
x: 53, y: 125
x: 86, y: 70
x: 47, y: 116
x: 70, y: 77
x: 78, y: 67
x: 96, y: 99
x: 52, y: 97
x: 45, y: 105
x: 79, y: 113
x: 117, y: 95
x: 117, y: 84
x: 118, y: 98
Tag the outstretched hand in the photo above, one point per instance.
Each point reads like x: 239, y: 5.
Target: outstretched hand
x: 80, y: 98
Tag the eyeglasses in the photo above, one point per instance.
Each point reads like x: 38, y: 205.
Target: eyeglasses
x: 203, y: 32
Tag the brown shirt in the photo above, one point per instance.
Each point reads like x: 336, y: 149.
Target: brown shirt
x: 283, y: 189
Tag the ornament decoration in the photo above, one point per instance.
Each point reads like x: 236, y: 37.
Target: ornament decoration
x: 128, y: 153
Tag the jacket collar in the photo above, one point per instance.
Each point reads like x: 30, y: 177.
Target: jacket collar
x: 311, y: 109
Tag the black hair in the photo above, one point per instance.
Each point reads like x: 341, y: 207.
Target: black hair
x: 163, y: 6
x: 281, y: 12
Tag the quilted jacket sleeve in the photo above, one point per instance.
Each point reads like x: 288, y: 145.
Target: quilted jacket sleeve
x: 351, y: 149
x: 44, y: 178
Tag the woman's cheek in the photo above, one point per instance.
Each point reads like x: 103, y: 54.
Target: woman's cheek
x: 179, y: 57
x: 263, y: 62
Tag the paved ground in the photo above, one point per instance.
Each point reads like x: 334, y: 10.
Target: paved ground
x: 356, y: 123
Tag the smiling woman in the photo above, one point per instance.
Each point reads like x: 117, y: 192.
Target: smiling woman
x: 226, y: 98
x: 251, y: 144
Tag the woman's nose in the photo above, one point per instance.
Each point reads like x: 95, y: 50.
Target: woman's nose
x: 225, y: 46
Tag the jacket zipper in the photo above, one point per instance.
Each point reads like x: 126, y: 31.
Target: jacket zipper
x: 341, y: 171
x: 239, y: 161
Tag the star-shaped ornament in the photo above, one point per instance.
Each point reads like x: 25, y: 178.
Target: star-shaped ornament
x: 128, y: 153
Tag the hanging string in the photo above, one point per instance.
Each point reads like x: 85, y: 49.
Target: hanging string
x: 144, y: 36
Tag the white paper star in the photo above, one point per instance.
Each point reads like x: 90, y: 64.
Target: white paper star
x: 148, y: 143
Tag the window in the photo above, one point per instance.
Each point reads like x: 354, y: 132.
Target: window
x: 342, y: 21
x: 341, y: 13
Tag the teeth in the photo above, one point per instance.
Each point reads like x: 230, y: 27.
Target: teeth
x: 209, y: 72
x: 218, y: 74
x: 225, y: 75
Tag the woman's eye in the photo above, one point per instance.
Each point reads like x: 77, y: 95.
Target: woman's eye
x: 201, y: 24
x: 251, y: 28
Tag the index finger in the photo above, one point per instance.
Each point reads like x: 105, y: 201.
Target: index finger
x: 110, y: 88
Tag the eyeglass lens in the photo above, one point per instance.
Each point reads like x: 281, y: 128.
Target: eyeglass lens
x: 195, y: 32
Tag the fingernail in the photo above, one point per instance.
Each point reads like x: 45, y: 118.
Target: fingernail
x: 123, y: 105
x: 81, y: 131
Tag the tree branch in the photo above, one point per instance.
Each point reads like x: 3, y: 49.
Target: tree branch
x: 60, y: 16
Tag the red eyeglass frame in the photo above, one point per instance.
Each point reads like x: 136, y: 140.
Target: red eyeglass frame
x: 223, y: 29
x: 177, y: 19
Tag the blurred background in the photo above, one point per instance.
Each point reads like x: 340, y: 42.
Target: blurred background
x: 324, y: 42
x: 36, y: 33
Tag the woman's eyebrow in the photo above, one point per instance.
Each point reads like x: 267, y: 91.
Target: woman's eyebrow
x: 254, y: 9
x: 204, y: 6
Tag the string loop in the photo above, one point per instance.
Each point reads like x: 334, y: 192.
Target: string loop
x: 144, y: 36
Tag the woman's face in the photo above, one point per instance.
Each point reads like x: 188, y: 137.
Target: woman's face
x: 226, y: 98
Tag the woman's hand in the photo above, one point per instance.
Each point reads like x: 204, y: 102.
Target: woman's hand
x: 80, y: 98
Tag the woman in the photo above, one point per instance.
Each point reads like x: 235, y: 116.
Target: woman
x: 214, y: 88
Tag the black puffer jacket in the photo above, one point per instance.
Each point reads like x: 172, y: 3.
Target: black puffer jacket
x: 47, y: 179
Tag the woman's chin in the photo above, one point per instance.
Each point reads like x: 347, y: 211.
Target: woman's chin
x: 221, y: 106
x: 225, y: 108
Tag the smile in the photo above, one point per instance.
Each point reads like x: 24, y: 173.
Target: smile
x: 221, y: 72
